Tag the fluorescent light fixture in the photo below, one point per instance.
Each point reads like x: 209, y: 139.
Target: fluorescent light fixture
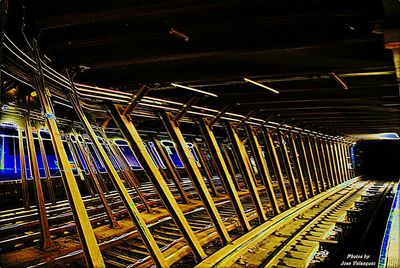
x: 340, y: 81
x: 179, y: 34
x: 196, y: 90
x: 261, y: 85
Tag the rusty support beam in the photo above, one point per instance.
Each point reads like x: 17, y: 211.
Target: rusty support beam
x: 194, y: 174
x: 289, y: 169
x: 134, y: 213
x: 307, y: 166
x: 330, y: 162
x: 24, y: 176
x: 334, y: 164
x: 49, y: 181
x: 90, y: 247
x: 324, y: 161
x: 219, y: 115
x: 262, y: 167
x: 130, y: 176
x: 112, y: 221
x: 297, y: 165
x: 230, y: 166
x: 341, y: 161
x: 185, y: 109
x: 242, y: 157
x: 170, y: 170
x: 250, y: 114
x: 79, y: 165
x: 263, y: 124
x: 331, y: 176
x: 206, y: 169
x: 136, y: 98
x: 319, y: 165
x: 313, y: 162
x: 130, y: 133
x: 268, y: 140
x: 348, y: 160
x: 223, y: 172
x: 45, y: 239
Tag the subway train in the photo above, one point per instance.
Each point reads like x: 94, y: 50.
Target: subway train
x: 118, y: 151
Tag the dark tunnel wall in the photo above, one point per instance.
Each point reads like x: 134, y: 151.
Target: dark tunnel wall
x: 378, y: 159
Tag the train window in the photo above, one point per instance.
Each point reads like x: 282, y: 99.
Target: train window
x: 192, y: 150
x: 151, y: 155
x: 110, y: 155
x: 172, y: 153
x: 127, y: 152
x: 10, y: 166
x: 82, y: 160
x: 50, y: 153
x: 42, y: 172
x: 79, y: 152
x: 155, y: 152
x: 70, y: 157
x: 96, y: 158
x: 27, y: 160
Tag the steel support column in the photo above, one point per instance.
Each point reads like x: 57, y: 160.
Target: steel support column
x: 45, y: 240
x: 49, y: 181
x: 171, y: 172
x: 319, y: 165
x: 79, y: 165
x: 298, y: 166
x: 271, y: 159
x: 88, y: 240
x: 194, y: 174
x: 126, y: 168
x: 286, y: 159
x: 307, y: 166
x: 342, y: 161
x: 135, y: 182
x: 205, y: 169
x: 262, y: 167
x: 139, y: 222
x: 314, y: 166
x: 338, y: 161
x: 24, y: 176
x: 270, y: 143
x: 328, y: 154
x: 223, y: 172
x: 334, y: 163
x: 348, y: 159
x: 130, y: 133
x: 325, y: 161
x: 231, y: 168
x: 343, y: 155
x: 95, y: 180
x: 240, y: 153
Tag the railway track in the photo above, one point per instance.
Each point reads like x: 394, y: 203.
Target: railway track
x: 295, y: 241
x: 20, y: 228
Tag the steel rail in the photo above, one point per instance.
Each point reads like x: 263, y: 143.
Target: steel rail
x: 230, y: 253
x: 276, y: 254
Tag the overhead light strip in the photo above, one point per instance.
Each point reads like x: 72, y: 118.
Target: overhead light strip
x: 260, y: 85
x: 195, y: 90
x: 340, y: 81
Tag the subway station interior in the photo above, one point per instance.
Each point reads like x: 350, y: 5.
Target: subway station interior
x: 188, y: 133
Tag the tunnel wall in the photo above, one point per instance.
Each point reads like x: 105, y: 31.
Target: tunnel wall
x: 378, y: 159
